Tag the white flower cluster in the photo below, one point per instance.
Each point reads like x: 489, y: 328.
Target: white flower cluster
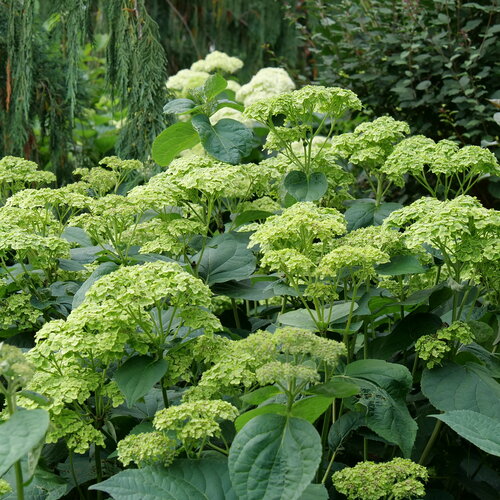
x: 268, y: 82
x: 186, y: 80
x: 218, y: 61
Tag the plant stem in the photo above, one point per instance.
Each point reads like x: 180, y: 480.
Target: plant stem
x: 430, y: 443
x: 164, y: 392
x: 98, y: 468
x: 330, y: 463
x: 235, y: 314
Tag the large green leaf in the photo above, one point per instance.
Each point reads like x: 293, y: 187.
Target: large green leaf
x: 43, y: 486
x: 228, y: 140
x: 244, y: 418
x: 225, y: 258
x: 315, y: 492
x: 457, y: 387
x: 401, y: 264
x: 336, y: 387
x: 384, y: 389
x: 479, y: 429
x: 213, y: 86
x: 274, y: 457
x: 311, y: 408
x: 179, y: 106
x: 20, y: 434
x: 364, y: 212
x: 343, y: 426
x: 246, y: 289
x: 172, y: 141
x: 301, y: 318
x: 206, y: 479
x: 99, y: 272
x: 405, y: 333
x: 138, y: 375
x: 306, y: 188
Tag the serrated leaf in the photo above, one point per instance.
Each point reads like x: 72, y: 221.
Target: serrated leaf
x: 228, y: 140
x: 306, y: 188
x: 301, y: 318
x: 364, y: 212
x: 311, y: 408
x: 20, y: 434
x: 206, y: 479
x: 138, y: 375
x: 343, y: 426
x: 337, y: 387
x: 274, y: 457
x: 172, y: 141
x: 225, y: 258
x: 479, y: 429
x: 457, y: 387
x: 213, y: 86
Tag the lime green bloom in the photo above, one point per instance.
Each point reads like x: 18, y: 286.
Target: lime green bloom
x: 400, y: 478
x: 147, y: 448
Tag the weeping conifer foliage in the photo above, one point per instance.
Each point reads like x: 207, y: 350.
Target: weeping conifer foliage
x: 256, y: 31
x: 41, y: 84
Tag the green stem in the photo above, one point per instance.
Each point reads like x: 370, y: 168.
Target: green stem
x: 98, y: 468
x: 73, y: 475
x: 235, y: 314
x: 164, y: 392
x: 430, y: 443
x: 330, y: 463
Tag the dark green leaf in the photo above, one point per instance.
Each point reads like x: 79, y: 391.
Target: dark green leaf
x: 260, y: 395
x: 315, y: 492
x: 457, y: 387
x: 401, y: 264
x: 479, y: 429
x: 343, y: 426
x: 274, y: 457
x: 206, y: 479
x: 364, y: 212
x: 138, y: 375
x: 228, y: 140
x: 337, y: 387
x: 304, y: 188
x: 225, y: 258
x: 77, y: 235
x: 172, y: 141
x: 24, y: 430
x: 250, y: 216
x: 178, y: 106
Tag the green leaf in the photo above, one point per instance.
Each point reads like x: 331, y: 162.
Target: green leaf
x: 260, y: 395
x: 244, y: 418
x: 245, y: 289
x: 77, y: 235
x: 43, y: 486
x: 213, y: 86
x: 138, y: 375
x: 337, y: 387
x: 311, y: 408
x: 20, y: 434
x: 401, y: 264
x: 304, y: 188
x: 384, y: 389
x: 228, y: 140
x: 479, y: 429
x: 406, y: 332
x: 343, y: 426
x: 226, y: 257
x: 274, y: 457
x: 99, y: 272
x: 206, y: 479
x: 364, y: 212
x: 301, y: 318
x: 179, y: 106
x: 34, y: 396
x: 172, y: 141
x: 250, y: 216
x: 457, y: 387
x: 315, y: 492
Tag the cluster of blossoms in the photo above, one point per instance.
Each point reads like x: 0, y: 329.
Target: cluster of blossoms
x: 461, y: 229
x: 16, y: 311
x: 218, y: 61
x: 15, y: 369
x: 400, y: 479
x: 147, y: 448
x: 267, y: 82
x: 185, y: 81
x: 119, y: 313
x: 300, y: 105
x: 265, y: 356
x: 5, y: 487
x: 17, y: 174
x: 434, y: 348
x: 416, y: 154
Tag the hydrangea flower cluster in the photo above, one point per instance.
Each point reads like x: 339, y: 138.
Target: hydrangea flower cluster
x: 217, y: 61
x: 186, y: 80
x: 267, y: 82
x: 434, y: 348
x: 287, y: 348
x: 147, y: 448
x: 444, y: 159
x: 400, y: 479
x: 15, y: 369
x: 17, y: 174
x: 16, y: 311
